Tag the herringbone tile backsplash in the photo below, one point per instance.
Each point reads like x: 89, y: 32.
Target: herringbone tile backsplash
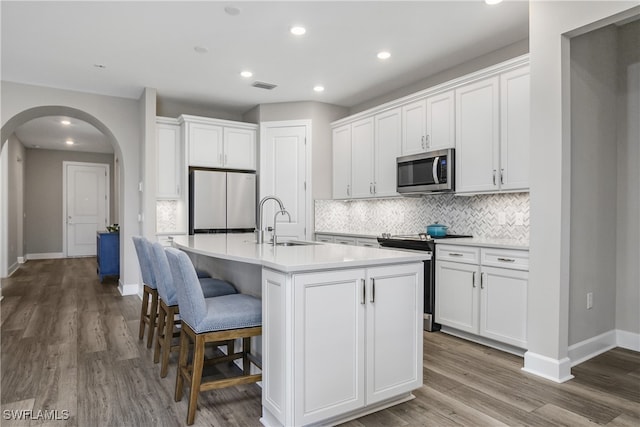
x: 475, y: 215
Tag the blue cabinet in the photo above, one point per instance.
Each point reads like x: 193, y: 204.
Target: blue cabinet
x: 108, y: 253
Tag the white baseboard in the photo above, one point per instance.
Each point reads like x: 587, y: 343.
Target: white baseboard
x: 127, y: 289
x: 21, y: 260
x: 558, y: 371
x: 590, y: 348
x: 12, y: 269
x: 49, y: 255
x: 628, y: 340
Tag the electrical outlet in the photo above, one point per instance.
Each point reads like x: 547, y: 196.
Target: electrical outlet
x: 519, y: 218
x: 589, y: 300
x: 502, y: 218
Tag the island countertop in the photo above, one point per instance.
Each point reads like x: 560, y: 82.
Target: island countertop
x: 242, y: 247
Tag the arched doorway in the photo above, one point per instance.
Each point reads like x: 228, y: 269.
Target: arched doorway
x: 46, y: 111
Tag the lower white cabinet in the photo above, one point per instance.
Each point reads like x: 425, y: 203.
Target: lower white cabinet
x: 354, y: 339
x: 483, y: 291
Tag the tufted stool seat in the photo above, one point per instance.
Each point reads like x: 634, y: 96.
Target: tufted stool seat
x: 210, y: 320
x: 168, y: 303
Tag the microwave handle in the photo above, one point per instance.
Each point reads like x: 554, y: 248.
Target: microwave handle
x: 436, y: 162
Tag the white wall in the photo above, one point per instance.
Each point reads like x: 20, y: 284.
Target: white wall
x: 628, y: 209
x: 117, y: 118
x: 593, y: 183
x: 548, y: 294
x: 15, y: 202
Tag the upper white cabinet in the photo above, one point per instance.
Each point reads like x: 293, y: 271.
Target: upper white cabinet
x: 342, y: 162
x: 428, y: 124
x: 364, y: 156
x: 219, y: 143
x: 168, y: 159
x: 514, y: 129
x: 492, y: 130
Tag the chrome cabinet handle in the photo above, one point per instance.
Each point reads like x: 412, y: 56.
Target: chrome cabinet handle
x: 428, y: 141
x: 473, y: 279
x: 373, y: 290
x: 371, y: 188
x: 494, y: 177
x: 374, y: 188
x: 506, y: 259
x: 364, y: 292
x: 348, y: 190
x: 502, y: 176
x: 481, y: 280
x: 422, y: 142
x: 454, y: 254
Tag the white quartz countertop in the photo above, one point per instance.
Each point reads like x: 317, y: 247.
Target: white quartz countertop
x: 241, y: 247
x: 486, y: 242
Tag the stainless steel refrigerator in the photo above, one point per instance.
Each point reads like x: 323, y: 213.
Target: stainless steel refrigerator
x: 221, y: 201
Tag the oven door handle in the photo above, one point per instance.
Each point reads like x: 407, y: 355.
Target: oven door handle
x: 436, y: 161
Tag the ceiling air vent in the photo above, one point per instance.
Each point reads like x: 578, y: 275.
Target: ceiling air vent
x: 263, y: 85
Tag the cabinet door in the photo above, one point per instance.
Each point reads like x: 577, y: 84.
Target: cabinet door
x: 342, y: 162
x: 205, y: 145
x: 414, y: 119
x: 514, y: 122
x: 239, y: 149
x: 362, y: 154
x: 168, y: 169
x: 503, y: 305
x: 477, y: 134
x: 329, y: 342
x: 388, y: 134
x: 457, y: 296
x: 394, y: 330
x: 440, y: 121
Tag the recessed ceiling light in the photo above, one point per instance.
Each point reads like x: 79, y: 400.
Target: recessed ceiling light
x: 65, y: 122
x: 318, y: 88
x: 384, y: 55
x: 492, y: 2
x: 232, y: 10
x: 298, y: 30
x: 246, y: 74
x: 101, y: 66
x: 69, y: 142
x: 200, y: 49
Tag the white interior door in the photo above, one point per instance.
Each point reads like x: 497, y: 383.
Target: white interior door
x: 87, y: 202
x: 284, y: 175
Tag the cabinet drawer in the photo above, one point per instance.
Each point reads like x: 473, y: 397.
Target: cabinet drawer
x: 327, y: 238
x: 371, y: 243
x: 505, y: 258
x: 465, y: 254
x: 345, y: 240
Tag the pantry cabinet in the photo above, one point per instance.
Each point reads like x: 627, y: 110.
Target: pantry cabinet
x: 483, y: 291
x: 214, y: 143
x: 169, y: 160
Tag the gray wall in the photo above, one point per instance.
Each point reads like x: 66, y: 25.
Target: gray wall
x: 475, y: 64
x: 593, y: 183
x: 628, y: 209
x: 15, y: 174
x: 43, y: 196
x: 172, y: 108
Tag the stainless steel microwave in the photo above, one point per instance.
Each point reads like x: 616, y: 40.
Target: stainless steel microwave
x: 426, y: 172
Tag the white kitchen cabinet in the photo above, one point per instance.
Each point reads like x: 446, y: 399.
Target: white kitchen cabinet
x: 344, y: 240
x: 362, y: 158
x: 478, y: 136
x: 168, y: 159
x: 492, y: 131
x: 367, y: 242
x: 239, y: 148
x: 514, y: 134
x: 414, y: 128
x: 371, y: 337
x: 342, y: 162
x: 388, y: 135
x: 483, y: 291
x: 217, y: 143
x: 441, y: 129
x: 325, y: 238
x: 428, y: 124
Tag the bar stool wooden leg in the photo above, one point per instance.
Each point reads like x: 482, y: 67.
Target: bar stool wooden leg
x: 143, y: 311
x: 182, y: 364
x: 162, y: 317
x: 196, y: 377
x: 153, y: 315
x: 167, y: 346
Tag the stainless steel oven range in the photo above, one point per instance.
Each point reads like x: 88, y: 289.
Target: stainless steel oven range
x: 421, y: 242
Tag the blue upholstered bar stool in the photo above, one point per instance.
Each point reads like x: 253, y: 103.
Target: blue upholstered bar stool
x: 148, y: 314
x: 210, y: 320
x: 168, y: 302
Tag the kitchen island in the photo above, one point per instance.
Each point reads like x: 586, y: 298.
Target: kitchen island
x: 342, y: 325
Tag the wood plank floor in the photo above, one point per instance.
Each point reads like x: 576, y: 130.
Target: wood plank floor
x: 69, y: 343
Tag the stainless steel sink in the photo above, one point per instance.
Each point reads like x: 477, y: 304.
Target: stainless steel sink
x: 295, y: 243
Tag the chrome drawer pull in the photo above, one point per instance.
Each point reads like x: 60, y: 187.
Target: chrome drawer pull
x: 506, y: 259
x: 454, y: 254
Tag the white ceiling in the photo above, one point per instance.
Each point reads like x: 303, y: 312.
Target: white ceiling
x: 151, y: 44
